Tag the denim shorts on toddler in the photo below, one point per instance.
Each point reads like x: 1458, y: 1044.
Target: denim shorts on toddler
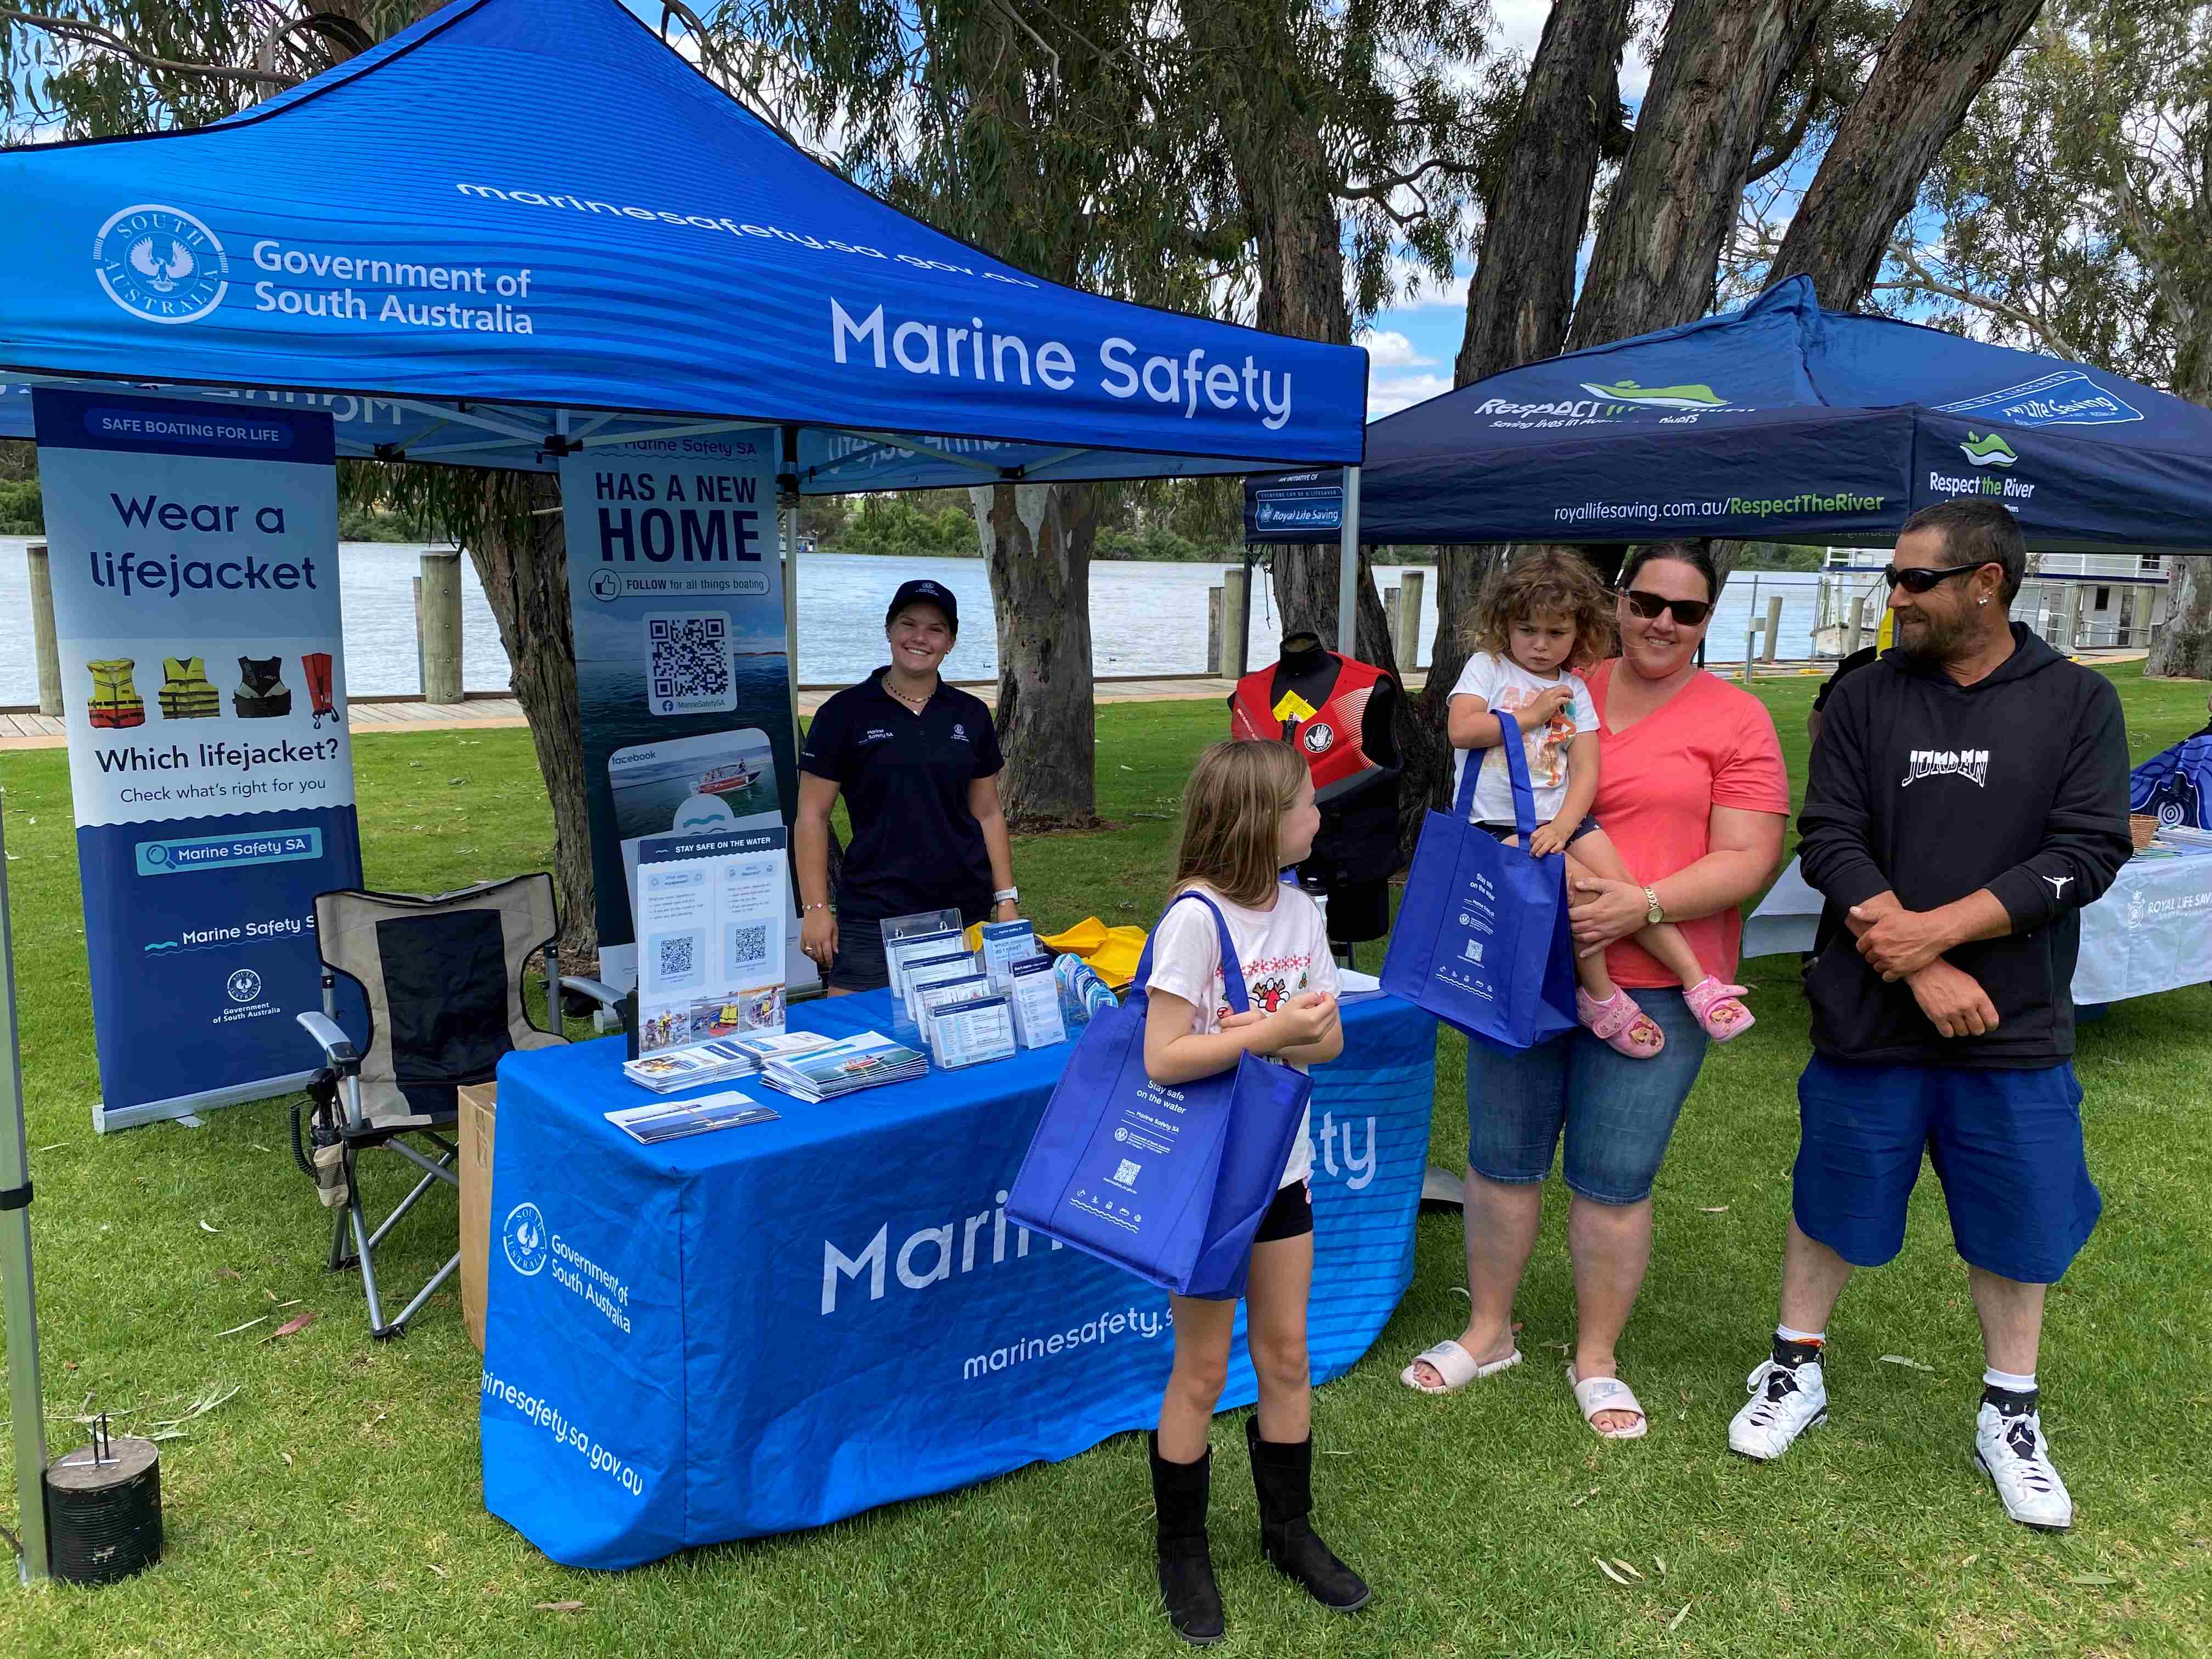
x: 2006, y: 1145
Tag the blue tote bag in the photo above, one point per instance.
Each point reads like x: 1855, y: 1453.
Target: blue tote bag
x: 1168, y: 1183
x: 1481, y: 938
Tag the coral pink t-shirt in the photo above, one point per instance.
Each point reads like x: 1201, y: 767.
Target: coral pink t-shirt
x: 1710, y: 744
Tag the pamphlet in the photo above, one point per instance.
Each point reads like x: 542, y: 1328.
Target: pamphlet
x: 968, y: 1033
x: 933, y: 994
x: 901, y: 934
x: 1004, y: 944
x: 765, y: 1046
x: 683, y: 1069
x: 862, y: 1061
x: 928, y: 970
x: 710, y: 921
x: 674, y: 1120
x: 1034, y: 996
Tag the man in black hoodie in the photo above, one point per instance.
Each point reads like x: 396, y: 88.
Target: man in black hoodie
x: 1968, y: 795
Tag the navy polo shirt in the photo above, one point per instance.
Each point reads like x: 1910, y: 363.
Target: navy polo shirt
x: 905, y: 777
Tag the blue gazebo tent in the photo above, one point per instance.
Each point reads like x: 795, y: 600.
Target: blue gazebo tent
x: 1781, y: 422
x: 522, y: 225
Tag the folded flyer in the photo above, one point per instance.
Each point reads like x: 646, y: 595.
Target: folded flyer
x: 676, y: 1119
x: 684, y: 1068
x: 865, y: 1060
x: 966, y: 1033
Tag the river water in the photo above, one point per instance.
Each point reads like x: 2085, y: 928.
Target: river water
x: 1144, y: 619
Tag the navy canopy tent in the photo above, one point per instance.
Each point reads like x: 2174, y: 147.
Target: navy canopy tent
x: 521, y: 226
x: 1781, y: 422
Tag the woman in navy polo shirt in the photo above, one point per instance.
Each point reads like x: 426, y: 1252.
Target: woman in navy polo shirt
x: 918, y: 762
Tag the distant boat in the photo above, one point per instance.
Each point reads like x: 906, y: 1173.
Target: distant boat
x: 729, y: 779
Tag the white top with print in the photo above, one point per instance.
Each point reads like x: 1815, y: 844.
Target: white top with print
x: 1282, y: 952
x: 1505, y: 686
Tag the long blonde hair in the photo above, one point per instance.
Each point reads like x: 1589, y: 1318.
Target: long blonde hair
x: 1232, y: 817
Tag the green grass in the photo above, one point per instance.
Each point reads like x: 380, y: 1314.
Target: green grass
x: 306, y: 1513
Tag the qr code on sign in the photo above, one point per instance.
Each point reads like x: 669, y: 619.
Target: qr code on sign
x: 676, y: 955
x: 689, y: 670
x: 748, y: 945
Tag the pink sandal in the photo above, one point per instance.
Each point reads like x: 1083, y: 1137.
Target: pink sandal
x: 1620, y: 1024
x: 1718, y: 1010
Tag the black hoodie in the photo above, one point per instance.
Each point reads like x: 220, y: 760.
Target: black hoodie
x: 2017, y: 783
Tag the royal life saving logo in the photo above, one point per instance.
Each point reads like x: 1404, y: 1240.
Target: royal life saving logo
x: 161, y: 263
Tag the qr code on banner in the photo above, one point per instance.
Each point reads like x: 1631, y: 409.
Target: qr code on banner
x: 676, y: 957
x: 748, y: 945
x: 688, y: 673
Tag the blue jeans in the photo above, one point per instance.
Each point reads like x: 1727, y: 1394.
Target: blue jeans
x: 1618, y: 1114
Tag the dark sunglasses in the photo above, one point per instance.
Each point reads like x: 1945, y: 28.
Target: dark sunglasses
x: 1688, y: 612
x: 1924, y: 581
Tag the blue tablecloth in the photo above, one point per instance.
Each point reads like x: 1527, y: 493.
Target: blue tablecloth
x: 776, y: 1327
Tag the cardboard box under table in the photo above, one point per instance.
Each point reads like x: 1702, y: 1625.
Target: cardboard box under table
x: 774, y: 1327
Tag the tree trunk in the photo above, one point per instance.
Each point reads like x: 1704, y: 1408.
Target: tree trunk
x: 521, y: 556
x: 1524, y: 289
x: 1671, y: 208
x: 1036, y: 542
x: 2182, y: 645
x: 1942, y: 53
x: 1517, y: 309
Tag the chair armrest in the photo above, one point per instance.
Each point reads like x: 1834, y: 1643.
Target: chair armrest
x: 604, y: 994
x: 337, y: 1048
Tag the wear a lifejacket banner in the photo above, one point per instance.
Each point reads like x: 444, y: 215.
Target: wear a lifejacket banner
x: 682, y: 678
x: 194, y: 557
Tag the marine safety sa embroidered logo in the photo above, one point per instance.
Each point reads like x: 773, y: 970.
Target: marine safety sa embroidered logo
x: 1971, y: 764
x: 161, y: 263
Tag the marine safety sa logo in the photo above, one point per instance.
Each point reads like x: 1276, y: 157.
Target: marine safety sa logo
x: 161, y: 263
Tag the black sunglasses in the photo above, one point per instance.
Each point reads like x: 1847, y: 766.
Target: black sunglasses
x: 1924, y: 581
x: 1688, y: 612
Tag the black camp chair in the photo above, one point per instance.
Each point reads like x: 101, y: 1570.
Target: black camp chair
x: 444, y: 979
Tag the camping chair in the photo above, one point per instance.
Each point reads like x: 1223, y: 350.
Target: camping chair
x: 444, y: 979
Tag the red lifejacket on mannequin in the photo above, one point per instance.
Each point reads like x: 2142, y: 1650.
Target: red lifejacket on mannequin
x: 1330, y: 737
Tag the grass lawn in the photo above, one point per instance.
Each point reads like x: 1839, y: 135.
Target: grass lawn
x: 331, y: 1504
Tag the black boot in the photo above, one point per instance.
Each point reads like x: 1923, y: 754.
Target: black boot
x: 1187, y: 1586
x: 1283, y: 1475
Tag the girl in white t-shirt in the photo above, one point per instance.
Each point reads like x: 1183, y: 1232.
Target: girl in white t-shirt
x: 1539, y: 619
x: 1249, y: 812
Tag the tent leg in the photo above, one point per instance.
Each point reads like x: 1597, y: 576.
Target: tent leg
x: 1347, y: 567
x: 27, y: 1401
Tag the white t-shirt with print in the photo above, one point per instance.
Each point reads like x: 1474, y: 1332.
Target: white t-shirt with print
x: 1282, y: 952
x: 1505, y: 686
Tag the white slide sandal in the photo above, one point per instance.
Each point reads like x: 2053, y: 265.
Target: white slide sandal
x: 1607, y: 1394
x: 1456, y: 1366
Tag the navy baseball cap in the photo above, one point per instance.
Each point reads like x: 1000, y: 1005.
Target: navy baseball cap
x: 925, y: 592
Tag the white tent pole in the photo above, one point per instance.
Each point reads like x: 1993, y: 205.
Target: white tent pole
x: 25, y: 1399
x: 1347, y: 567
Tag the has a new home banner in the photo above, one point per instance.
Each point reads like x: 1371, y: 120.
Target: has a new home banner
x: 194, y: 560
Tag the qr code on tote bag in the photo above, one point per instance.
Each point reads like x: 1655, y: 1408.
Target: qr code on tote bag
x: 688, y: 671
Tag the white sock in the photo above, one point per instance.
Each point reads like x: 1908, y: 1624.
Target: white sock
x: 2008, y: 1381
x: 1789, y: 1335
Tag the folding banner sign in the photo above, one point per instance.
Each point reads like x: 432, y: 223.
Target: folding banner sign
x: 675, y: 591
x: 194, y: 557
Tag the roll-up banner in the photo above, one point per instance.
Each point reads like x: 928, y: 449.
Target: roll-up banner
x: 676, y: 592
x: 194, y: 555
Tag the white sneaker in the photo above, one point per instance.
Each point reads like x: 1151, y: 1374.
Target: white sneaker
x: 1785, y: 1402
x: 2015, y: 1454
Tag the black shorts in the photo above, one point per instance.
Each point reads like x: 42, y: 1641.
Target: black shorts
x: 1291, y: 1216
x: 858, y: 964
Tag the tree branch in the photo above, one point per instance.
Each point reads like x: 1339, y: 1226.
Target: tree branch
x: 1923, y: 281
x: 1786, y: 145
x: 91, y: 35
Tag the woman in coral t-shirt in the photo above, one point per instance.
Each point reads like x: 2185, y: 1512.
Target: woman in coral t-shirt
x: 1692, y: 791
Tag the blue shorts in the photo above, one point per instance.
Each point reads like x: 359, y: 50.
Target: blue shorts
x: 1617, y: 1114
x: 2006, y: 1145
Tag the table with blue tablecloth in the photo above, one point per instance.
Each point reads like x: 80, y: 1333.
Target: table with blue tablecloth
x: 773, y: 1327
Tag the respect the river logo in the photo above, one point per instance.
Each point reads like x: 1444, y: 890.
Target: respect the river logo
x: 161, y: 263
x: 1992, y: 451
x: 1693, y: 397
x: 523, y: 1237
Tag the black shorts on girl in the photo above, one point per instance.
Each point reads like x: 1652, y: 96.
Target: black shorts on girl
x: 1588, y: 826
x: 1291, y: 1216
